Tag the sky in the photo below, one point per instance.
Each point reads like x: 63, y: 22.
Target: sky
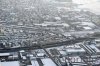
x: 92, y: 5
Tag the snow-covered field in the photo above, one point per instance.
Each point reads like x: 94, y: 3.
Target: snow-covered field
x: 92, y: 5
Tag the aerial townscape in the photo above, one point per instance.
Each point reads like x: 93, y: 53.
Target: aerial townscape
x: 48, y: 33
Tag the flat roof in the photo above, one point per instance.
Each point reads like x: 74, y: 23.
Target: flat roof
x: 46, y: 62
x: 4, y: 54
x: 11, y: 63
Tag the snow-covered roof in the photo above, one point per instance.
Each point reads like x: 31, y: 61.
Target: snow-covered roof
x: 95, y: 48
x: 4, y: 54
x: 13, y: 63
x: 75, y: 50
x: 46, y: 62
x: 75, y: 59
x: 87, y: 28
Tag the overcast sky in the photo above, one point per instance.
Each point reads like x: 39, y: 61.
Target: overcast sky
x: 93, y: 5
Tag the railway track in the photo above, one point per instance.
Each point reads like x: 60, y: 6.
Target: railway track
x: 49, y: 45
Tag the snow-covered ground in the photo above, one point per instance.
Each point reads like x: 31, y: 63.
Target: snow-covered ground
x: 55, y: 24
x: 88, y: 23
